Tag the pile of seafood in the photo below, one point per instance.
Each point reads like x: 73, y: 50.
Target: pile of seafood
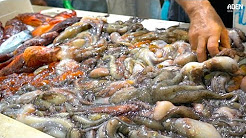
x: 74, y: 77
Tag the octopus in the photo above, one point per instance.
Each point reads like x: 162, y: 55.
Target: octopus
x: 84, y: 77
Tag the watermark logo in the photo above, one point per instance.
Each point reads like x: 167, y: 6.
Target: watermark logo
x: 231, y: 7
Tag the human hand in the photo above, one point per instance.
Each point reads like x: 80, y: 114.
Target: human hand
x: 206, y: 28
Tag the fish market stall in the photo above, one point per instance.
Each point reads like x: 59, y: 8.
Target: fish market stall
x: 74, y: 74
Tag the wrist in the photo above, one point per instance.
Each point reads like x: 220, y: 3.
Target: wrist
x: 194, y: 7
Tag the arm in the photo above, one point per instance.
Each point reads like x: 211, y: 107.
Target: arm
x: 206, y: 28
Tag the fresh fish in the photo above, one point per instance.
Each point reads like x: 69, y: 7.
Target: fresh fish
x: 14, y: 41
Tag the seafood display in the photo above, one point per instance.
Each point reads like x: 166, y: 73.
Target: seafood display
x: 78, y: 77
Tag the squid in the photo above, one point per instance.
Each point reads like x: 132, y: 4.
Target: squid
x: 217, y: 81
x: 112, y: 110
x: 195, y: 70
x: 165, y: 109
x: 88, y: 123
x: 185, y: 94
x: 77, y: 28
x: 99, y: 72
x: 237, y: 37
x: 145, y: 133
x: 57, y: 127
x: 174, y: 94
x: 109, y: 129
x: 122, y: 27
x: 191, y: 128
x: 114, y: 71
